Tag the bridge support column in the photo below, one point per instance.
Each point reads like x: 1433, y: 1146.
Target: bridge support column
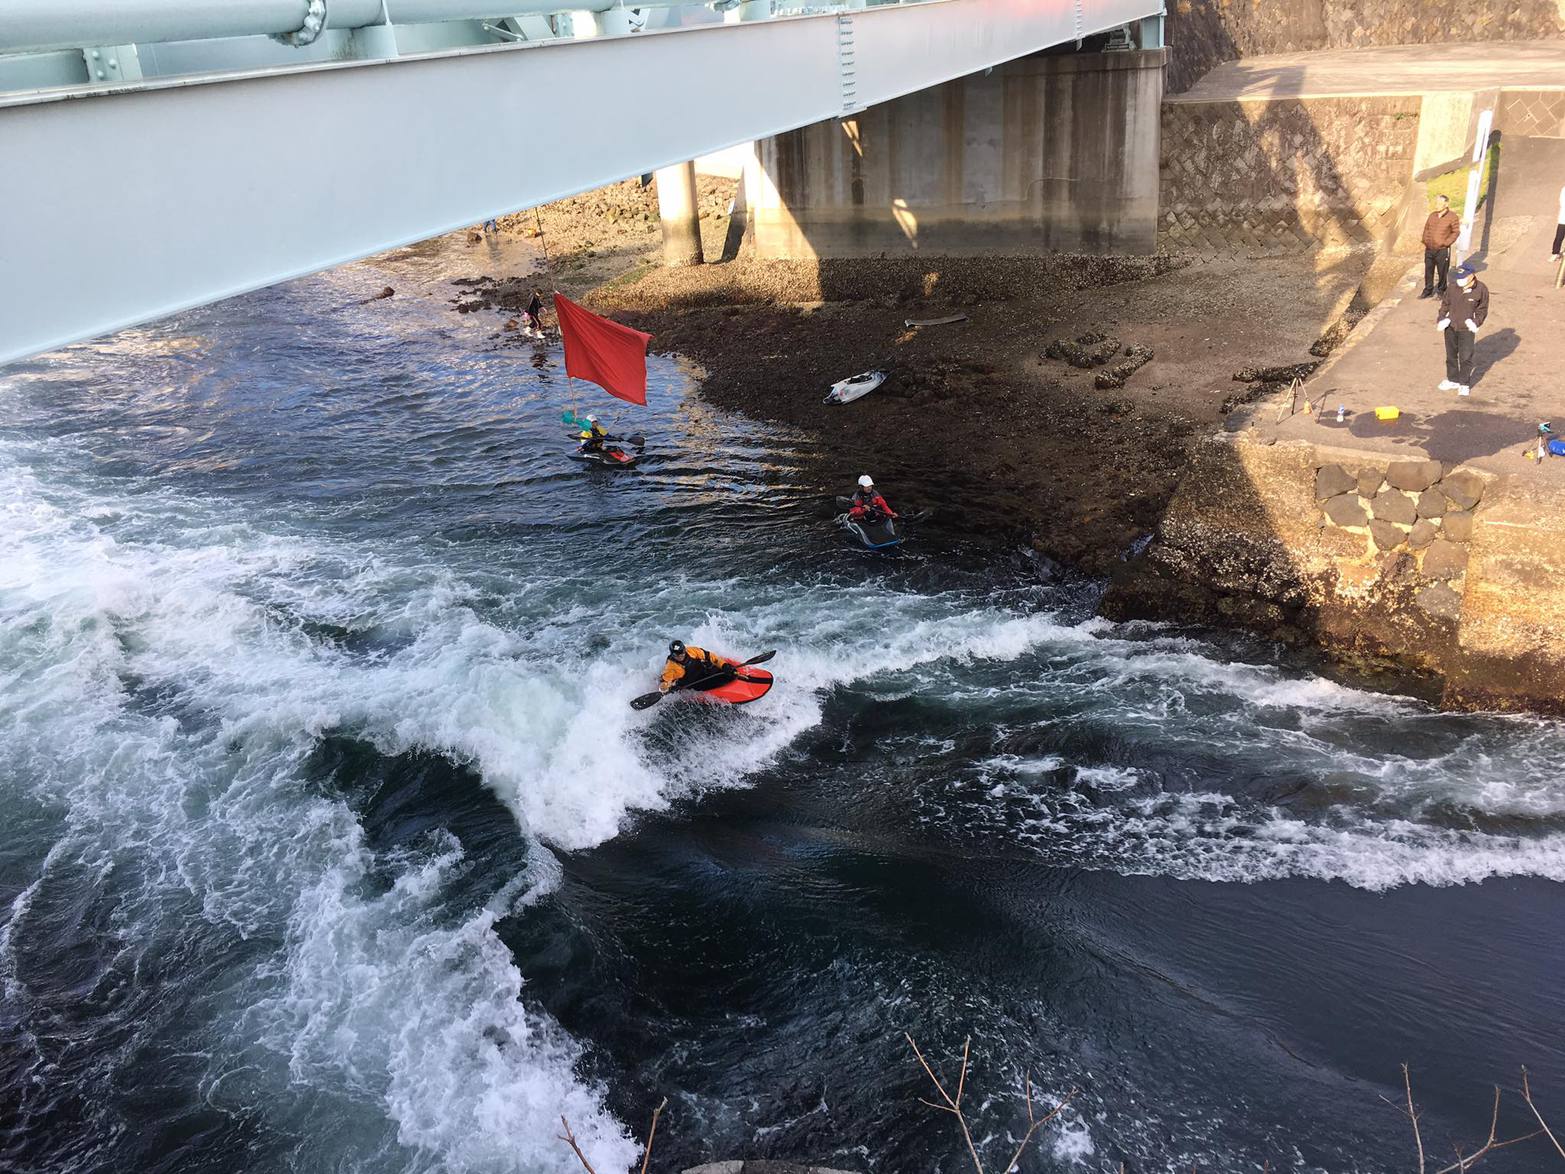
x: 1045, y: 154
x: 680, y: 213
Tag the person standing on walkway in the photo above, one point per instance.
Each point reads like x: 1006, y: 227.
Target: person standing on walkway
x: 1559, y: 229
x: 1440, y: 233
x: 1463, y: 308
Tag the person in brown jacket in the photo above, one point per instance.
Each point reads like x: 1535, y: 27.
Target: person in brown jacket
x: 1440, y: 233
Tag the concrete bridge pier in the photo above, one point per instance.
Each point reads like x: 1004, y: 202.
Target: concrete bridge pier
x: 681, y: 215
x: 1056, y: 152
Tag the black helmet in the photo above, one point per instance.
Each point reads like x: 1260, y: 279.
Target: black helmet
x: 676, y: 648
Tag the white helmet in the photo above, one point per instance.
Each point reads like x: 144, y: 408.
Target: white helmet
x: 591, y: 419
x: 867, y: 482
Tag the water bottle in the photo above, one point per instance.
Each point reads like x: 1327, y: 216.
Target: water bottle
x: 1342, y: 412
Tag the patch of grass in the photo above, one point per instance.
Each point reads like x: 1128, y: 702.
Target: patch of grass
x: 1454, y: 183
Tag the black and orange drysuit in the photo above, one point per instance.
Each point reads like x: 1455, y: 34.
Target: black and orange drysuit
x: 699, y: 670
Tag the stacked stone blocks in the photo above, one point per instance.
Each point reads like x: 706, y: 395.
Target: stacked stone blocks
x: 1285, y: 176
x: 1415, y: 517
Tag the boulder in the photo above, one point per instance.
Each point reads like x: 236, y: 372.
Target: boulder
x: 1346, y: 510
x: 1386, y: 536
x: 1464, y: 487
x: 1458, y: 525
x: 1413, y: 476
x: 1445, y: 559
x: 1369, y: 481
x: 1432, y: 504
x: 1392, y: 506
x: 1424, y: 532
x: 1439, y: 600
x: 1330, y: 480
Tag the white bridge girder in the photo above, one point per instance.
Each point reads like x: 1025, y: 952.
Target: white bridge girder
x: 205, y: 187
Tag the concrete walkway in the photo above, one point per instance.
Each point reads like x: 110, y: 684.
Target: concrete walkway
x: 1396, y: 357
x: 1398, y: 69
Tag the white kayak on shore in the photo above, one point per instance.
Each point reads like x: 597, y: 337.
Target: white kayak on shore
x: 845, y: 391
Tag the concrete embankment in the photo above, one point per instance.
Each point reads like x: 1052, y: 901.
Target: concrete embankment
x: 1411, y: 565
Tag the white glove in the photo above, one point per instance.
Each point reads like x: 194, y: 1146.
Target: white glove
x: 1443, y: 324
x: 1473, y: 326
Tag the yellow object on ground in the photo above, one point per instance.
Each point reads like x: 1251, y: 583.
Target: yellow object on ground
x: 1387, y: 413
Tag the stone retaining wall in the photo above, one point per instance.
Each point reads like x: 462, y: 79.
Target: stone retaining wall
x: 1205, y: 33
x: 1286, y: 175
x: 1446, y: 574
x: 1417, y: 521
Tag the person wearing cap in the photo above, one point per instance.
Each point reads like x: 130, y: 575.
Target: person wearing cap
x: 592, y: 436
x: 1440, y: 233
x: 868, y: 505
x: 1463, y: 308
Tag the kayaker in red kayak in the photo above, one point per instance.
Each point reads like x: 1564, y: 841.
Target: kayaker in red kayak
x: 690, y: 667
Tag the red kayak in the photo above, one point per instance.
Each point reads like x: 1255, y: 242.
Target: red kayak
x: 750, y: 685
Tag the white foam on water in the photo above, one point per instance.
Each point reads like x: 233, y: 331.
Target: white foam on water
x: 1215, y: 837
x: 176, y: 636
x: 376, y: 996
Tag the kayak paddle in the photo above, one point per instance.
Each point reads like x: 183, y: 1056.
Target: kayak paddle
x: 648, y: 700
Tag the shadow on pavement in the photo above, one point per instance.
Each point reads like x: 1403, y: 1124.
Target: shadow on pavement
x: 1491, y: 349
x: 1465, y: 434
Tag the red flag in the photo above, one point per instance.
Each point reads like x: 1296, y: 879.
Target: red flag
x: 603, y: 352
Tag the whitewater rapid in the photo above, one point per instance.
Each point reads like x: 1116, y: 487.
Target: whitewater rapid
x: 202, y: 599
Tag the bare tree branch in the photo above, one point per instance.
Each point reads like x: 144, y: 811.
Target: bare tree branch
x: 569, y: 1139
x: 1412, y: 1115
x: 952, y: 1106
x: 1034, y: 1123
x: 1464, y: 1161
x: 652, y: 1131
x: 1544, y: 1125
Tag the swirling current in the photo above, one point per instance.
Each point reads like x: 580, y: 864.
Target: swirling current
x: 331, y: 842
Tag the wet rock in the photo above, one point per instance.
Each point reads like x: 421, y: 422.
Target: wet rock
x: 1089, y: 350
x: 1458, y: 525
x: 1248, y: 396
x: 1413, y: 476
x: 1336, y: 333
x: 1440, y: 600
x: 1386, y: 536
x: 1424, y: 532
x: 1392, y: 506
x: 1370, y: 480
x: 1445, y: 559
x: 1136, y: 357
x: 1347, y: 510
x: 1330, y: 480
x: 1432, y: 504
x: 1286, y: 374
x: 1464, y: 488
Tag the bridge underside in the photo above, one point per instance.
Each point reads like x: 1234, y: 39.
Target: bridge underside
x: 126, y: 203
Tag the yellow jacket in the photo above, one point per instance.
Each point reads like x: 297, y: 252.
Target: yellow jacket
x: 701, y: 663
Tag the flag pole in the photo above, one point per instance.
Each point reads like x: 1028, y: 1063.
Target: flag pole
x: 548, y: 268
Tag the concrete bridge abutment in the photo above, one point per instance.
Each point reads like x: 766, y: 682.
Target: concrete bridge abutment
x: 1048, y: 153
